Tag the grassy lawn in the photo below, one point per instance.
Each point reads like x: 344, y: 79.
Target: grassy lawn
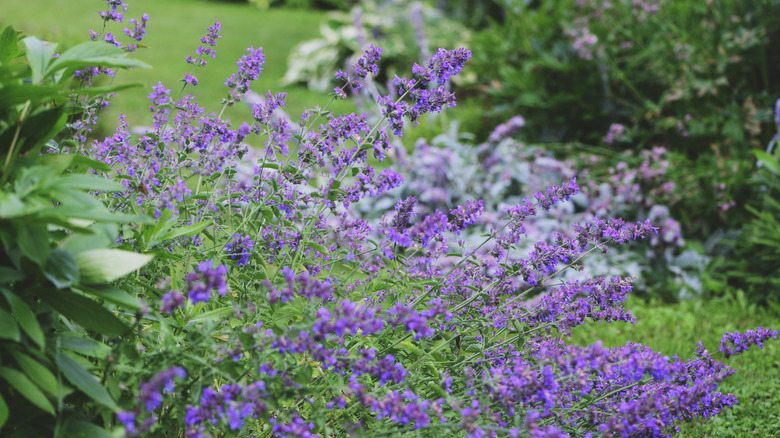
x: 675, y: 329
x: 174, y: 30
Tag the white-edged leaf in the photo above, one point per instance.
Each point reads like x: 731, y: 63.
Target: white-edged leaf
x: 105, y: 265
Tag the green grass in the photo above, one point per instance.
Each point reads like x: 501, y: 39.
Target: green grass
x: 675, y: 329
x: 174, y: 30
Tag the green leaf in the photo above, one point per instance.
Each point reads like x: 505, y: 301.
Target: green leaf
x: 80, y: 161
x: 26, y: 318
x: 8, y: 51
x: 26, y: 388
x: 61, y: 269
x: 88, y: 182
x: 12, y: 206
x: 114, y: 295
x: 187, y: 230
x: 9, y: 275
x: 37, y: 373
x: 93, y: 53
x: 13, y: 94
x: 317, y: 247
x: 84, y: 311
x: 8, y: 327
x: 75, y: 428
x: 769, y: 161
x: 40, y: 128
x: 3, y: 412
x: 33, y: 241
x: 39, y: 55
x: 106, y: 265
x: 85, y: 381
x: 84, y: 345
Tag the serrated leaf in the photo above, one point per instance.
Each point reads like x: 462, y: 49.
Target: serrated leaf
x: 26, y: 388
x: 105, y: 265
x: 85, y: 381
x: 26, y: 318
x: 37, y: 372
x: 84, y: 311
x: 8, y: 50
x: 8, y: 327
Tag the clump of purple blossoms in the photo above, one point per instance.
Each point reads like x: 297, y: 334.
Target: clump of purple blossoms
x: 737, y: 343
x: 151, y: 398
x: 240, y: 249
x: 202, y: 282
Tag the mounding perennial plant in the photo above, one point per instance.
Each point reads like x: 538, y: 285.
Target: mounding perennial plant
x: 205, y: 279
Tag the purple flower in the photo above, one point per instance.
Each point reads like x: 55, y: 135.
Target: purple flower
x: 172, y: 300
x: 249, y: 68
x: 446, y: 63
x: 736, y: 343
x: 202, y: 282
x: 240, y: 248
x: 190, y: 79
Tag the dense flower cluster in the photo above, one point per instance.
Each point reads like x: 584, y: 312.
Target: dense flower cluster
x: 404, y: 321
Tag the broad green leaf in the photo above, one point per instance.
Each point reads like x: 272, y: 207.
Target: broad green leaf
x: 26, y: 388
x: 61, y: 269
x: 39, y: 55
x: 114, y: 295
x: 40, y: 128
x: 106, y: 265
x: 13, y: 94
x: 26, y: 318
x: 8, y: 50
x: 37, y: 372
x: 85, y: 381
x: 104, y: 236
x: 9, y: 275
x: 88, y: 182
x: 8, y: 327
x: 84, y: 311
x: 93, y: 53
x: 75, y: 428
x: 317, y: 247
x: 82, y: 161
x: 3, y: 412
x: 187, y: 230
x: 84, y: 345
x: 33, y: 241
x: 11, y: 206
x: 769, y: 161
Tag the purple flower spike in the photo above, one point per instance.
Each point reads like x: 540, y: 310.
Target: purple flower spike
x: 446, y: 63
x: 736, y: 343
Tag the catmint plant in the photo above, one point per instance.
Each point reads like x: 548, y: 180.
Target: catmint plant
x: 272, y: 308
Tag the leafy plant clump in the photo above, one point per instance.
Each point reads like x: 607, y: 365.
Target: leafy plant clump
x: 201, y: 279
